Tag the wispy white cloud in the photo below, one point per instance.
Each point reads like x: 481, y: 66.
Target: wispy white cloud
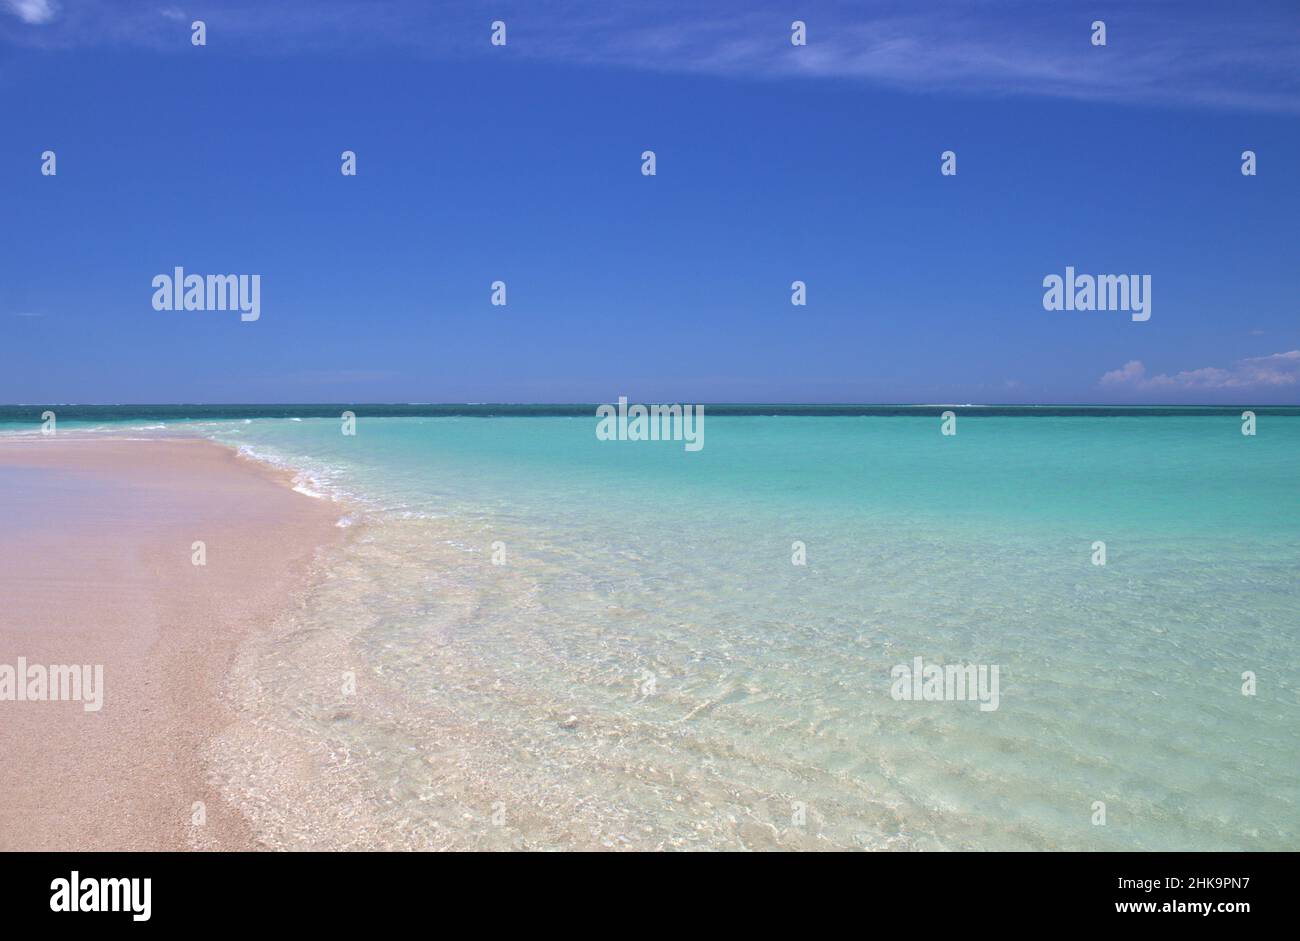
x: 1131, y: 372
x: 34, y: 12
x: 1157, y: 53
x: 1257, y: 372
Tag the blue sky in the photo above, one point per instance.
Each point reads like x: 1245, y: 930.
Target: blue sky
x: 775, y: 163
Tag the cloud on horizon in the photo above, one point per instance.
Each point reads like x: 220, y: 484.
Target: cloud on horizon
x: 1258, y: 372
x: 1184, y: 54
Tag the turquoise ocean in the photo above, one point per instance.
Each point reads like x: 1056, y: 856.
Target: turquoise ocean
x: 531, y: 638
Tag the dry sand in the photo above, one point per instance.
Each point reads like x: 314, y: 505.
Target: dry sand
x: 95, y: 568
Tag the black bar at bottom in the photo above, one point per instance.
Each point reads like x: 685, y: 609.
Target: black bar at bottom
x: 332, y: 891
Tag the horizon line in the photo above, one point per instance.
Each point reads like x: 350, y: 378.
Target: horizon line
x: 593, y: 404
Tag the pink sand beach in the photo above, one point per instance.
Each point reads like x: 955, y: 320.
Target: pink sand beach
x: 97, y: 568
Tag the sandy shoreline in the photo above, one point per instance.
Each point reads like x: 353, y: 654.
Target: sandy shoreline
x: 96, y: 567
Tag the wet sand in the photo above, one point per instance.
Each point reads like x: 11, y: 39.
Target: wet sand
x: 96, y: 567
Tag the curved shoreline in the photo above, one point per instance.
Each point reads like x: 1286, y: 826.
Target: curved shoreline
x: 97, y: 566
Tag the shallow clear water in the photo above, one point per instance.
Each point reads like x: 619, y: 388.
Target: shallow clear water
x: 649, y: 669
